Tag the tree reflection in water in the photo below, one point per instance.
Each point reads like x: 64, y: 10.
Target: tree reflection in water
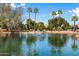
x: 57, y: 42
x: 27, y: 44
x: 74, y: 45
x: 31, y: 40
x: 10, y: 44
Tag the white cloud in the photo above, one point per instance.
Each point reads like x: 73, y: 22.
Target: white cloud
x: 13, y: 5
x: 65, y: 12
x: 69, y: 11
x: 22, y: 4
x: 73, y: 14
x: 16, y: 6
x: 74, y: 11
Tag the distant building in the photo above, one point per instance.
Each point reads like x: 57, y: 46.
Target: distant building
x: 76, y: 26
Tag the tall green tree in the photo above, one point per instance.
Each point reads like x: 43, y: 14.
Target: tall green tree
x: 17, y: 18
x: 9, y: 18
x: 41, y: 26
x: 6, y: 15
x: 53, y: 13
x: 30, y: 24
x: 50, y: 24
x: 74, y: 18
x: 59, y: 12
x: 29, y: 10
x: 54, y: 24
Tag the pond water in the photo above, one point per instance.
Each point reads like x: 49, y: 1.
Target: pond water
x: 39, y: 45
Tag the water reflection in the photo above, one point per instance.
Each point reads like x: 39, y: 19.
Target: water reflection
x: 74, y: 45
x: 31, y: 39
x: 10, y: 44
x: 57, y: 42
x: 38, y: 44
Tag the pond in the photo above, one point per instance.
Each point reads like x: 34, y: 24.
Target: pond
x: 39, y: 45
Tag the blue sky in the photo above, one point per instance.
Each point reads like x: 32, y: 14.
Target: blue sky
x: 69, y: 9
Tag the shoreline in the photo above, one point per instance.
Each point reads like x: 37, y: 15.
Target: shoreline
x: 76, y: 35
x: 51, y: 32
x: 46, y: 32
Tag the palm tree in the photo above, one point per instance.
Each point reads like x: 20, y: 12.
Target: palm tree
x: 74, y: 18
x: 60, y: 12
x: 29, y: 10
x: 53, y: 13
x: 36, y: 11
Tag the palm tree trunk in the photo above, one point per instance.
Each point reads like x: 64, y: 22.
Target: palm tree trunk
x: 29, y: 15
x: 53, y: 17
x: 29, y: 18
x: 35, y: 21
x: 74, y: 27
x: 35, y: 16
